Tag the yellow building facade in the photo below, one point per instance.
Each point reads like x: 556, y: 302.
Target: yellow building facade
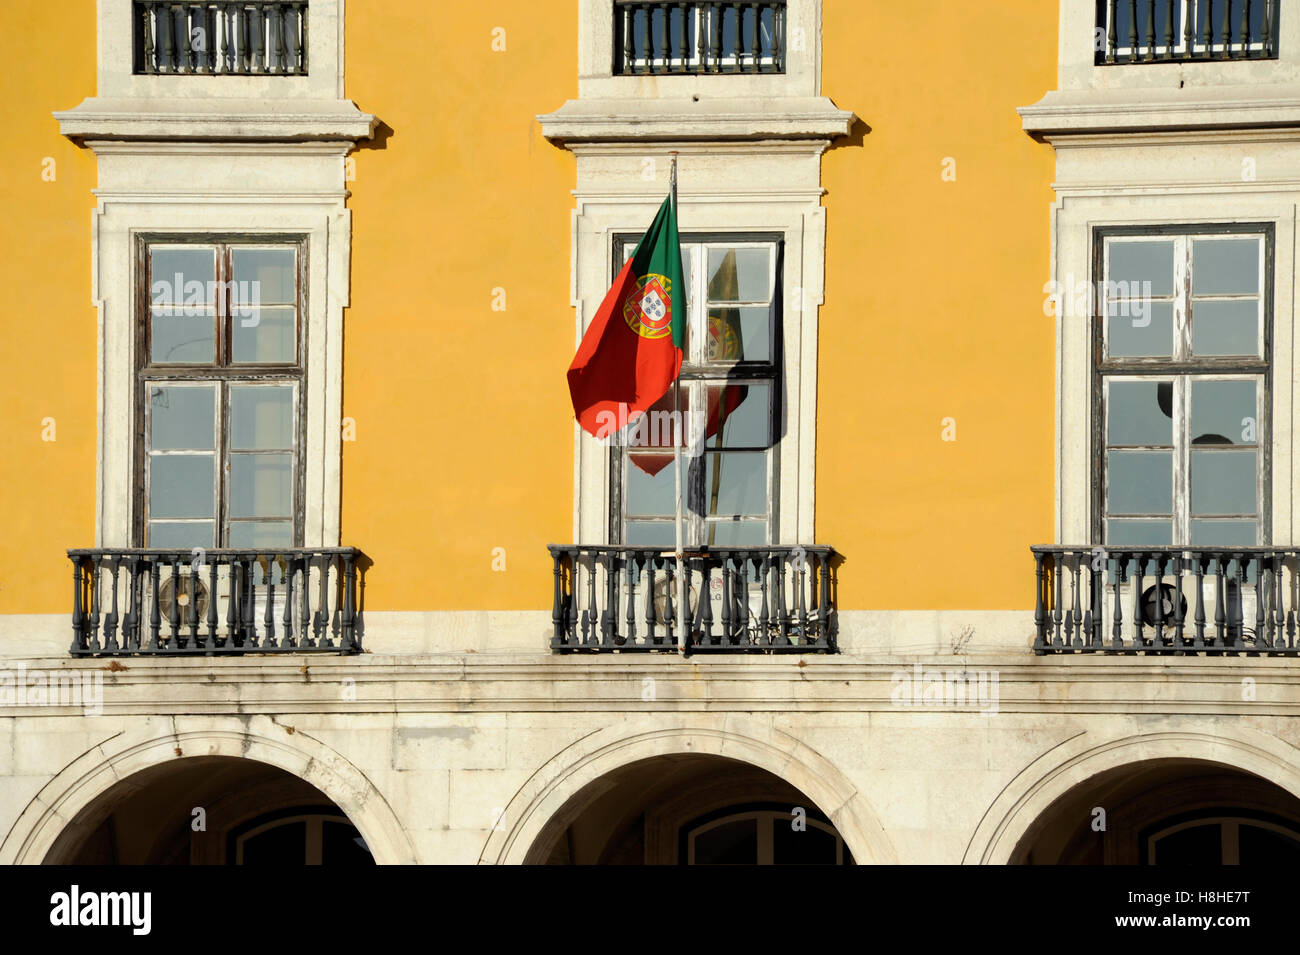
x: 311, y: 526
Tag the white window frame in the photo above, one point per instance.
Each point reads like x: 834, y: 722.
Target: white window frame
x: 179, y: 189
x: 1148, y: 194
x: 758, y: 189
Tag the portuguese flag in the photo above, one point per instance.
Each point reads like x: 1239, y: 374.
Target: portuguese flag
x: 632, y: 351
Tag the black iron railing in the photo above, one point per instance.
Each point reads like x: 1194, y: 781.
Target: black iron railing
x: 758, y: 599
x: 201, y: 602
x: 249, y: 37
x: 1153, y: 31
x: 1168, y: 600
x: 702, y: 36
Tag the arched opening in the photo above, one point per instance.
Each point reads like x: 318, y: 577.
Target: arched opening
x: 689, y: 809
x: 211, y: 810
x: 1167, y: 812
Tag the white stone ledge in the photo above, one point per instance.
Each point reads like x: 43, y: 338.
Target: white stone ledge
x: 224, y: 119
x: 1075, y: 112
x: 611, y: 120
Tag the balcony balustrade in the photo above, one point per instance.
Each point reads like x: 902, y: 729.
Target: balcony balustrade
x: 704, y: 36
x: 1180, y: 31
x: 760, y: 599
x: 204, y: 602
x: 1167, y: 600
x: 250, y: 37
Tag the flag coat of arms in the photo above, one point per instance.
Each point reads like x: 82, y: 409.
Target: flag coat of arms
x: 632, y: 351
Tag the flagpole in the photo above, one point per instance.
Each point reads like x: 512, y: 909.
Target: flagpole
x: 682, y: 584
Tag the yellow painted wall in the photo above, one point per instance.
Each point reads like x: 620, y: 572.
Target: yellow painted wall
x: 464, y: 426
x: 464, y: 440
x: 934, y: 305
x: 47, y: 324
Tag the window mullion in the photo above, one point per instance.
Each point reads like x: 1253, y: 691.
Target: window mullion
x: 1182, y: 391
x: 1182, y: 459
x: 220, y: 508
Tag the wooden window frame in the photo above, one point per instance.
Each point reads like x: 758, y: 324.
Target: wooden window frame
x: 1104, y: 368
x: 222, y: 371
x: 771, y: 372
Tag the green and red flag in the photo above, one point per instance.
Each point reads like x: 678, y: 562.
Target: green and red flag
x: 632, y: 351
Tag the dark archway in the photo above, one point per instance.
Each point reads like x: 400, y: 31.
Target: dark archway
x: 211, y: 810
x: 689, y: 809
x: 1167, y: 812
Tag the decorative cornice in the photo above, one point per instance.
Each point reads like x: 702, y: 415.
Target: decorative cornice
x: 679, y: 120
x: 182, y: 120
x: 1068, y: 113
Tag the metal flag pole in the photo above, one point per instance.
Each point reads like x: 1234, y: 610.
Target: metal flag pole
x: 682, y: 584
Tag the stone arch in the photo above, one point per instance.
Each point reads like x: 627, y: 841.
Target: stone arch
x: 1084, y: 757
x: 598, y: 754
x: 158, y: 740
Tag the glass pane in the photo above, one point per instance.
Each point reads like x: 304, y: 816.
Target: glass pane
x: 740, y: 275
x: 1139, y: 482
x: 804, y: 846
x: 1140, y: 412
x: 261, y: 534
x: 264, y: 276
x: 1145, y: 533
x: 1225, y: 266
x: 1141, y: 269
x: 1140, y: 330
x: 341, y: 844
x: 735, y: 483
x: 739, y: 416
x: 728, y: 843
x: 1223, y: 482
x: 1224, y: 533
x: 737, y: 533
x: 182, y: 336
x: 688, y: 268
x: 1223, y: 412
x: 1225, y: 328
x: 278, y: 846
x: 651, y: 534
x: 261, y: 416
x: 740, y: 334
x: 181, y: 485
x: 261, y: 485
x: 651, y: 484
x: 1262, y: 847
x: 183, y: 276
x: 265, y: 336
x: 1195, y: 845
x: 170, y: 534
x: 182, y: 418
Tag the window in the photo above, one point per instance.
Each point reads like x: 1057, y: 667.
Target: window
x: 299, y: 838
x: 730, y: 386
x: 1182, y: 386
x: 699, y: 37
x: 220, y: 379
x: 1139, y: 32
x: 1222, y: 838
x: 762, y: 836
